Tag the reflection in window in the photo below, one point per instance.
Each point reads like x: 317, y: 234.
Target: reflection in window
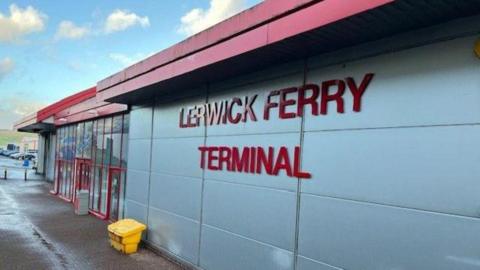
x: 104, y: 141
x: 103, y: 202
x: 107, y: 141
x: 126, y: 126
x: 99, y: 145
x: 87, y: 140
x: 80, y: 146
x: 116, y: 140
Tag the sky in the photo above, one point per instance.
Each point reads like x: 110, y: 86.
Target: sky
x: 52, y: 49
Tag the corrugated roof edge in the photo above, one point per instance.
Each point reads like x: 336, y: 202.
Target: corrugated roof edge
x: 235, y: 25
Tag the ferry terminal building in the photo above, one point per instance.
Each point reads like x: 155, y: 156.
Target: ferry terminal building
x: 298, y: 134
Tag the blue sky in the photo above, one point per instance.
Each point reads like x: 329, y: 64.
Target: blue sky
x: 52, y: 49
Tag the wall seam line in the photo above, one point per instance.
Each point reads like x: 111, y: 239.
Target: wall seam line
x: 400, y: 207
x: 207, y: 96
x: 150, y: 165
x: 299, y: 181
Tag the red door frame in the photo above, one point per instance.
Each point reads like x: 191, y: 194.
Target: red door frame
x: 81, y: 163
x: 98, y: 214
x: 75, y: 177
x: 101, y: 167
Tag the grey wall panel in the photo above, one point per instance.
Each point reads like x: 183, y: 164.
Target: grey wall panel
x: 139, y: 154
x: 136, y: 211
x: 176, y: 194
x: 167, y: 118
x: 137, y: 186
x: 141, y: 123
x: 281, y: 181
x: 176, y: 234
x: 265, y: 215
x: 41, y: 153
x: 177, y: 156
x: 309, y: 264
x: 410, y: 87
x: 222, y: 250
x: 262, y: 89
x: 411, y: 167
x: 137, y: 181
x: 249, y: 219
x: 50, y: 159
x: 355, y: 235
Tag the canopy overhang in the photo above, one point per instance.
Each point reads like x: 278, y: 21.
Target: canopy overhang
x: 256, y: 39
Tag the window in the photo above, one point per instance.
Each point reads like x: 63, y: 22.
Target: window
x: 99, y: 144
x: 104, y: 143
x: 117, y: 128
x: 126, y: 126
x: 107, y: 141
x: 87, y: 140
x: 80, y: 145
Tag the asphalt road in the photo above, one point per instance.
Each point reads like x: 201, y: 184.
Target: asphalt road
x: 40, y: 231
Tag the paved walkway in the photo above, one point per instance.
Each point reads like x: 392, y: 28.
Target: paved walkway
x: 40, y: 231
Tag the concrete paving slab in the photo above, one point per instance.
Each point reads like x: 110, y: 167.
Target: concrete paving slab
x: 41, y: 231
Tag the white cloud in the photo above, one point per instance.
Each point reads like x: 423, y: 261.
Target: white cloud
x: 121, y: 59
x: 126, y: 60
x: 68, y: 30
x: 120, y: 20
x: 13, y: 108
x: 199, y: 19
x: 20, y: 22
x: 6, y: 66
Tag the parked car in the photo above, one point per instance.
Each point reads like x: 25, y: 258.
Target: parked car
x: 29, y: 156
x: 16, y: 155
x: 12, y: 153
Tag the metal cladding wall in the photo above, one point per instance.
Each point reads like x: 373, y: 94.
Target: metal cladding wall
x: 42, y: 143
x: 394, y: 186
x: 50, y: 158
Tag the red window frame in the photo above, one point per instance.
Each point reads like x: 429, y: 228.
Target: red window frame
x: 60, y: 189
x: 80, y: 164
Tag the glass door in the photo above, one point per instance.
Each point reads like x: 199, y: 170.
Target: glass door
x: 82, y: 175
x: 65, y: 180
x: 114, y: 186
x: 58, y: 177
x: 98, y: 192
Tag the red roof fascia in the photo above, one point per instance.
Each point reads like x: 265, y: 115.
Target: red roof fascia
x: 86, y: 110
x: 302, y: 20
x: 25, y: 121
x: 103, y: 109
x: 65, y: 103
x: 85, y: 105
x: 251, y: 18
